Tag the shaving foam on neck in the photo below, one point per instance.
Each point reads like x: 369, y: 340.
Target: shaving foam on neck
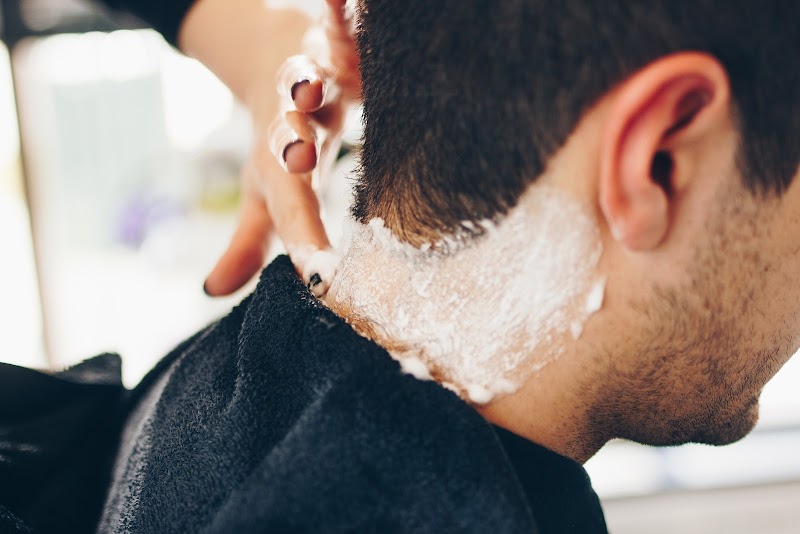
x: 480, y: 313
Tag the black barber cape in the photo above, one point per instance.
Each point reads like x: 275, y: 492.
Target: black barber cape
x: 278, y: 418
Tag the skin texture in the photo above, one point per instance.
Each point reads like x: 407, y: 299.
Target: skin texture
x: 700, y: 308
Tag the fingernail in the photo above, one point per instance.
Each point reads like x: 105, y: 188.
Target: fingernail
x: 281, y: 137
x: 295, y: 71
x: 314, y: 281
x: 285, y: 150
x: 297, y: 85
x: 205, y: 288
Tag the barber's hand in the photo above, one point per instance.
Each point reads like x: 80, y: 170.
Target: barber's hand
x: 297, y: 130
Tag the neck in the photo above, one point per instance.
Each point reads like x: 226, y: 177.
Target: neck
x: 484, y: 316
x: 555, y: 408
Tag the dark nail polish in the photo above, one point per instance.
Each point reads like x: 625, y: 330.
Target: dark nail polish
x: 205, y: 289
x: 298, y: 84
x: 315, y: 280
x: 285, y: 150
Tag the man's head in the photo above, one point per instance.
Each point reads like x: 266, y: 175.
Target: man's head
x: 675, y: 123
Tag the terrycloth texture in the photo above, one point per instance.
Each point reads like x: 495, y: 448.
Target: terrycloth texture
x: 279, y: 418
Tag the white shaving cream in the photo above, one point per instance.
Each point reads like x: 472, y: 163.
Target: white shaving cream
x: 318, y: 266
x: 476, y: 313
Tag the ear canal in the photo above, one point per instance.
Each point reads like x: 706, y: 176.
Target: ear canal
x: 686, y: 110
x: 661, y: 171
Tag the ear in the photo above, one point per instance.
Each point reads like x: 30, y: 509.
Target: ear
x: 656, y: 116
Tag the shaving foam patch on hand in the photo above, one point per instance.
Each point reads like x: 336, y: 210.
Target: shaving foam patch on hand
x: 318, y: 267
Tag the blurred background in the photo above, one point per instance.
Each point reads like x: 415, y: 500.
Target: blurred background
x: 119, y: 162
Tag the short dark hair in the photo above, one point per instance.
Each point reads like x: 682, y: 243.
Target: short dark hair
x: 465, y: 101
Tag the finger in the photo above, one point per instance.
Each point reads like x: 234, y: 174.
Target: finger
x: 300, y: 157
x: 302, y: 82
x: 318, y: 267
x: 246, y: 252
x: 292, y: 139
x: 340, y: 17
x: 308, y: 96
x: 340, y: 21
x: 292, y: 204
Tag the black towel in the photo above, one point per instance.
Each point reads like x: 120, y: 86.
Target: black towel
x: 279, y: 418
x: 58, y: 438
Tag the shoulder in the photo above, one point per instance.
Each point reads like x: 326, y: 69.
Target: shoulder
x: 285, y: 419
x: 373, y: 449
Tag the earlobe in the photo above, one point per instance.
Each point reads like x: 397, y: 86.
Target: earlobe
x: 654, y: 115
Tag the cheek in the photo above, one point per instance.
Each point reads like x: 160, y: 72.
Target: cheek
x: 777, y: 279
x: 775, y: 303
x: 769, y: 321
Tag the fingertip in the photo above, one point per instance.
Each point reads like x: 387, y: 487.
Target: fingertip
x: 297, y: 86
x: 232, y: 273
x: 300, y: 157
x: 308, y: 95
x: 318, y: 266
x: 314, y: 280
x: 235, y: 268
x: 211, y: 286
x: 219, y: 282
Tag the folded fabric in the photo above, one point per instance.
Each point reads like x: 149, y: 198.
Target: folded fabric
x: 58, y: 436
x: 280, y: 418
